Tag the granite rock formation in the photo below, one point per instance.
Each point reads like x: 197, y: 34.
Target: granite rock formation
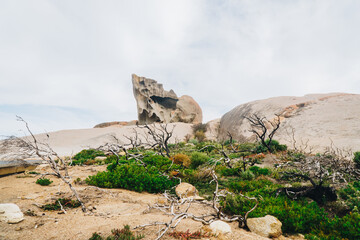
x: 154, y: 104
x: 316, y: 120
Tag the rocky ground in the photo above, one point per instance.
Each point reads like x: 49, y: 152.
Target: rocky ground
x: 110, y: 208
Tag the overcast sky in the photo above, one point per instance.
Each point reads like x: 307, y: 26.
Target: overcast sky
x: 68, y: 64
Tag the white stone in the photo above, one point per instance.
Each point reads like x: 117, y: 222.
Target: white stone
x: 220, y: 227
x: 10, y: 213
x: 268, y: 226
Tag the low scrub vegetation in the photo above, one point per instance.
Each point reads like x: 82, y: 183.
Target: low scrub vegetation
x: 44, y: 181
x: 61, y: 202
x: 283, y: 190
x: 118, y: 234
x: 87, y: 157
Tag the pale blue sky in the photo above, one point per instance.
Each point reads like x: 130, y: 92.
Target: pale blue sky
x: 68, y: 63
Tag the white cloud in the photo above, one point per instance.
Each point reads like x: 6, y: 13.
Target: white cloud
x: 81, y: 54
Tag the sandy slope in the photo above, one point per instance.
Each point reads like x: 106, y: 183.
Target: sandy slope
x: 70, y: 142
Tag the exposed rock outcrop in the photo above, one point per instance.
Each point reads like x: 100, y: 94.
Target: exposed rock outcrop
x: 154, y: 104
x: 317, y: 120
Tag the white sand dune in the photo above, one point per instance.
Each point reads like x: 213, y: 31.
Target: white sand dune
x: 69, y: 142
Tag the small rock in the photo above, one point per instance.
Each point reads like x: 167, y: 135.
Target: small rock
x: 186, y: 190
x: 10, y: 213
x: 220, y: 227
x: 268, y: 226
x: 100, y: 158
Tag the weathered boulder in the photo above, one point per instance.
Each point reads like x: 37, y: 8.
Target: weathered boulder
x: 154, y: 104
x: 186, y: 190
x: 268, y: 226
x: 10, y: 213
x: 212, y: 129
x: 220, y: 227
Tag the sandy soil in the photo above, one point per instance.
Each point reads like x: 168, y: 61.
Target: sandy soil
x: 111, y: 208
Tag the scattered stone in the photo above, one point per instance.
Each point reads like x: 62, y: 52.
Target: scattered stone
x: 10, y: 213
x: 154, y: 104
x: 268, y: 226
x: 30, y: 213
x: 220, y: 227
x: 185, y: 190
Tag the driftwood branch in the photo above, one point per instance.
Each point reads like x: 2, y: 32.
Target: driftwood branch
x: 46, y: 153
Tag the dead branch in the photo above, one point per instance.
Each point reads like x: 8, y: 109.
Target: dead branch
x: 260, y: 127
x: 32, y: 147
x: 160, y: 136
x: 179, y: 209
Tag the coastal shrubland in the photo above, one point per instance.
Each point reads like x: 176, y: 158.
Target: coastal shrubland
x: 283, y: 189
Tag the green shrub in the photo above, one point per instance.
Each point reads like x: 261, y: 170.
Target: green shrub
x: 260, y: 171
x: 44, y: 181
x: 65, y: 202
x: 86, y: 155
x: 198, y: 159
x: 351, y: 195
x: 253, y: 187
x: 193, y: 141
x: 247, y: 175
x: 224, y: 171
x: 357, y: 159
x: 119, y: 234
x: 347, y: 227
x: 133, y: 177
x: 163, y: 164
x: 297, y: 216
x: 275, y: 146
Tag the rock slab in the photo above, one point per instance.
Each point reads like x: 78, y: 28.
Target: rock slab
x: 220, y: 227
x: 10, y: 213
x: 154, y: 104
x: 268, y: 226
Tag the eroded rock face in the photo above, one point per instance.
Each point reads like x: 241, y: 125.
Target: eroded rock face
x: 154, y: 104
